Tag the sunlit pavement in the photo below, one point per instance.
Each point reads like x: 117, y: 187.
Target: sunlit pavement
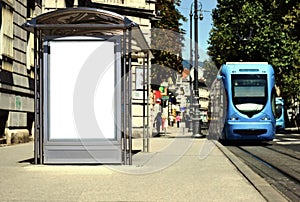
x: 176, y: 168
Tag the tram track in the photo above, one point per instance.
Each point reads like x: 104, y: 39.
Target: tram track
x: 290, y: 153
x: 278, y: 167
x: 290, y: 166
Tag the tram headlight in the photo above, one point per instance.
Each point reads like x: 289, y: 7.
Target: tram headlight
x: 265, y: 118
x: 233, y: 118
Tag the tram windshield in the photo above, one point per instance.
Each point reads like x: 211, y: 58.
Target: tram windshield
x: 249, y: 93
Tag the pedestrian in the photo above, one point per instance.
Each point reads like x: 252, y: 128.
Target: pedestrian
x: 171, y: 120
x: 165, y: 125
x: 158, y: 122
x: 187, y: 121
x: 178, y: 118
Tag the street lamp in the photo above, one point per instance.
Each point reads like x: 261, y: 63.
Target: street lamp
x: 191, y: 66
x: 195, y: 99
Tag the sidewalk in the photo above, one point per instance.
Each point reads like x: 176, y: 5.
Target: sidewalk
x: 177, y: 168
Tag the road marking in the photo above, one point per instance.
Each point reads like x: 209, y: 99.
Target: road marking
x: 290, y: 139
x: 297, y: 135
x: 289, y: 142
x: 280, y: 135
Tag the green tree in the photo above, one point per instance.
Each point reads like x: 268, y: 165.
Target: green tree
x: 259, y: 30
x: 291, y: 75
x: 166, y: 41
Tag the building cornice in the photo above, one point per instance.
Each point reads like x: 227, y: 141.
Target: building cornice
x: 126, y: 11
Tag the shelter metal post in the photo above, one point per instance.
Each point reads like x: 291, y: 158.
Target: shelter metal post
x: 41, y: 96
x: 130, y: 96
x: 124, y: 103
x: 146, y: 103
x: 128, y: 99
x: 144, y: 108
x: 36, y: 115
x: 148, y: 99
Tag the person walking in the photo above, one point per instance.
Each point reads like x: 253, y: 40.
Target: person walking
x: 178, y: 118
x: 166, y: 123
x: 158, y: 122
x: 171, y: 120
x: 187, y: 121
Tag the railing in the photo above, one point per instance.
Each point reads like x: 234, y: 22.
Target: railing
x: 111, y: 1
x: 125, y: 2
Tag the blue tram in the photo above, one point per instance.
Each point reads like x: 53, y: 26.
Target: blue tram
x: 248, y: 100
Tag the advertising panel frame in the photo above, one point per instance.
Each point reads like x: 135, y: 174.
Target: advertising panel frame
x: 78, y: 149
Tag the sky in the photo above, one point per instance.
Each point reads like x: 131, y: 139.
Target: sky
x: 204, y: 26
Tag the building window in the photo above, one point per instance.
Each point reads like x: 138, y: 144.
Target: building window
x: 7, y: 31
x: 6, y: 35
x: 69, y: 3
x: 84, y: 3
x: 30, y: 8
x: 0, y: 14
x: 81, y: 3
x: 30, y: 39
x: 39, y: 2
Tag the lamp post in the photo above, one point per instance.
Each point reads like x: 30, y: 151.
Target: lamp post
x: 196, y: 111
x: 191, y: 66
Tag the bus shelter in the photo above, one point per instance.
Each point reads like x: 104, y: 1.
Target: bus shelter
x: 83, y: 85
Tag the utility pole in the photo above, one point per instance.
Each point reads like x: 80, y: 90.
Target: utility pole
x: 191, y: 66
x: 196, y: 112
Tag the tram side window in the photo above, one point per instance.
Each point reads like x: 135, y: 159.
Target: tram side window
x: 278, y: 111
x: 274, y: 102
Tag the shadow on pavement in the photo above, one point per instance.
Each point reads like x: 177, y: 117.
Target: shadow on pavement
x: 244, y: 143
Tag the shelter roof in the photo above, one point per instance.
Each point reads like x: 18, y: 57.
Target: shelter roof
x: 85, y: 21
x: 79, y: 21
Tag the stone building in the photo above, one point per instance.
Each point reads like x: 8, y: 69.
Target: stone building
x: 16, y: 75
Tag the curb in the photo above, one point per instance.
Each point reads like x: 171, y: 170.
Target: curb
x: 264, y: 188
